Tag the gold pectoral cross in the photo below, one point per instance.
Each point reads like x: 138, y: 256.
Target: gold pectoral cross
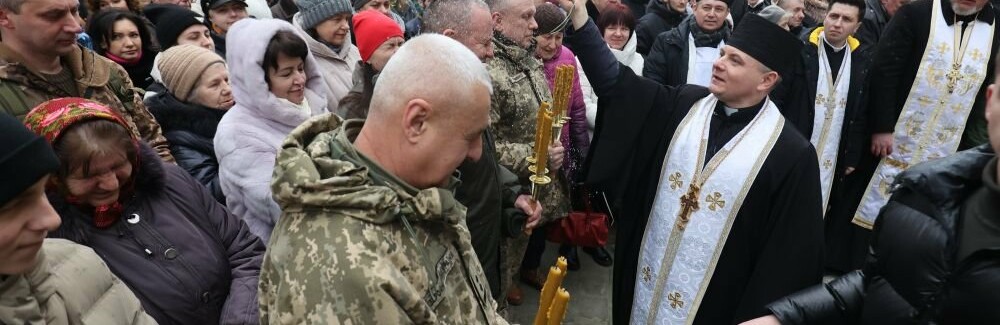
x: 953, y: 76
x: 689, y: 204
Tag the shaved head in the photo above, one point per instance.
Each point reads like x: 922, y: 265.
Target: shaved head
x: 429, y: 109
x: 432, y: 67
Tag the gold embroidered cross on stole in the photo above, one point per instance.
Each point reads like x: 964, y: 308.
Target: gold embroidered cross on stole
x: 689, y: 204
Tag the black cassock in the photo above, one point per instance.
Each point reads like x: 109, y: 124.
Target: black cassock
x: 775, y: 246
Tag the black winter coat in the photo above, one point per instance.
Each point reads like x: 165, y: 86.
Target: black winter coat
x: 659, y: 18
x: 187, y: 259
x: 190, y: 130
x: 912, y: 276
x: 667, y: 62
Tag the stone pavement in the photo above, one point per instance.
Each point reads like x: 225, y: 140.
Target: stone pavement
x: 589, y: 289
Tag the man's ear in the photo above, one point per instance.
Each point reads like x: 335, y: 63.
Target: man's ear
x: 769, y: 81
x: 5, y: 20
x: 989, y: 102
x: 415, y: 117
x: 449, y: 32
x: 497, y: 19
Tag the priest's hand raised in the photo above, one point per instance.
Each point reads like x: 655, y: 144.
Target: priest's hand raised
x: 577, y: 11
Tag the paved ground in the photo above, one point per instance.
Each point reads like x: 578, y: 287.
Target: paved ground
x: 589, y: 289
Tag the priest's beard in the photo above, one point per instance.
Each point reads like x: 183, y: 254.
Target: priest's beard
x: 964, y: 11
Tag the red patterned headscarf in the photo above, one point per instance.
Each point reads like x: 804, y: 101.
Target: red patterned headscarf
x: 51, y: 118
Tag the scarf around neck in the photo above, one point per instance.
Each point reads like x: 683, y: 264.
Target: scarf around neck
x: 708, y: 39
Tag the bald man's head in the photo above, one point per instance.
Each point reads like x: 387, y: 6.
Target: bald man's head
x: 429, y: 108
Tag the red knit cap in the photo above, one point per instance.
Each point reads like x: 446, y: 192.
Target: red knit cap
x: 372, y: 28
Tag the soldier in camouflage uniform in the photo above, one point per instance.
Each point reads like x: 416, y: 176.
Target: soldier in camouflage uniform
x: 371, y: 232
x: 519, y: 87
x: 33, y: 45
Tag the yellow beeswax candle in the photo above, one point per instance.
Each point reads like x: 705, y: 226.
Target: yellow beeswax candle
x: 552, y: 283
x: 558, y: 310
x: 562, y: 264
x: 542, y: 147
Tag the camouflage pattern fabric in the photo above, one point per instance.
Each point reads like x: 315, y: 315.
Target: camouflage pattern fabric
x: 519, y: 87
x: 97, y: 79
x: 356, y: 245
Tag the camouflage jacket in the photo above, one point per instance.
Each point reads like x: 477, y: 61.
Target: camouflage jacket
x: 97, y: 79
x: 356, y: 245
x: 519, y: 87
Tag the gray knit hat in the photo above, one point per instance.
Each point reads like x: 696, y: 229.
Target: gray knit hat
x: 314, y: 12
x: 772, y: 13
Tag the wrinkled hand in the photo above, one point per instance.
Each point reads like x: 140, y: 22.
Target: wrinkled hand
x: 556, y: 155
x: 530, y: 208
x: 848, y: 171
x: 882, y: 144
x: 765, y: 320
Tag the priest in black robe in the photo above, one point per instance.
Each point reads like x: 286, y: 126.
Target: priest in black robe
x: 775, y: 244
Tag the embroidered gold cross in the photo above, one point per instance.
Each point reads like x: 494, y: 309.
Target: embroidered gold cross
x: 689, y: 204
x: 675, y: 300
x: 675, y: 181
x: 827, y: 164
x: 647, y: 273
x: 715, y: 201
x: 953, y: 76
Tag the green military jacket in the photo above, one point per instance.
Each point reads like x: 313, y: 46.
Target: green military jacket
x: 97, y: 79
x: 519, y: 87
x: 356, y: 245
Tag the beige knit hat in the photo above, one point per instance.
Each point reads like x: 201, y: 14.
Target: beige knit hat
x: 181, y: 66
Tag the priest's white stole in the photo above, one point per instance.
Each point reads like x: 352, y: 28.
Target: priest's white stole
x: 831, y: 106
x: 934, y: 114
x: 680, y: 251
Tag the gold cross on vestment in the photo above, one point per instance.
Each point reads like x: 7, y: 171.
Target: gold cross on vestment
x: 715, y: 201
x: 675, y: 300
x: 675, y: 181
x: 689, y: 204
x: 647, y: 273
x: 827, y: 164
x: 953, y: 76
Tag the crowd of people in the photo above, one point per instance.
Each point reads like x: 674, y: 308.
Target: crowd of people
x: 369, y: 161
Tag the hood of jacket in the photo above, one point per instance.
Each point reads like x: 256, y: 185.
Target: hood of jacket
x: 320, y: 49
x: 814, y: 39
x: 318, y: 168
x: 250, y: 90
x: 174, y: 115
x: 90, y: 69
x: 627, y: 53
x: 509, y: 51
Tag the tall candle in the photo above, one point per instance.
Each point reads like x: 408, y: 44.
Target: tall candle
x: 542, y: 147
x: 558, y: 310
x: 552, y: 283
x: 538, y: 126
x: 561, y: 263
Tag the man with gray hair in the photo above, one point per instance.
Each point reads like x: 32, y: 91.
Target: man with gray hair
x: 519, y: 87
x: 371, y: 232
x: 497, y: 203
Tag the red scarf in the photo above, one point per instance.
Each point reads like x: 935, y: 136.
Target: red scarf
x: 123, y: 61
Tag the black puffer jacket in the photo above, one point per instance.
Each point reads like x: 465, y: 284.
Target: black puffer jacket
x: 659, y: 18
x: 667, y: 62
x: 912, y: 276
x: 190, y: 130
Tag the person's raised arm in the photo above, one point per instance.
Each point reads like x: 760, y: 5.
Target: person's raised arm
x: 596, y: 59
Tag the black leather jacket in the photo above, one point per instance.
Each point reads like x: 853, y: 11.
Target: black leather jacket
x: 912, y: 275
